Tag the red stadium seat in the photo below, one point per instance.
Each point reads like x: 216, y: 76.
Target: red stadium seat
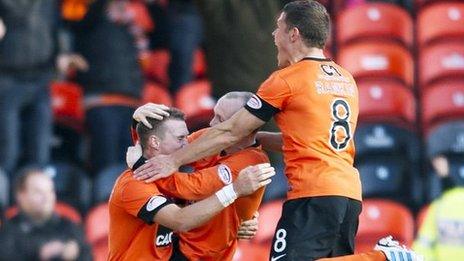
x: 380, y: 218
x: 421, y: 216
x: 386, y: 101
x: 195, y: 100
x: 442, y: 21
x: 443, y: 101
x: 249, y: 251
x: 61, y: 209
x: 375, y: 21
x: 67, y: 103
x: 155, y: 65
x: 269, y: 215
x: 380, y: 60
x: 156, y: 93
x: 448, y: 62
x: 97, y: 229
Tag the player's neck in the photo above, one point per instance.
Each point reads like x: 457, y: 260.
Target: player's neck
x: 150, y: 153
x: 304, y: 52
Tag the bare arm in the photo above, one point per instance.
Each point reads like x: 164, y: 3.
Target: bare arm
x: 184, y: 219
x: 219, y: 137
x: 271, y: 141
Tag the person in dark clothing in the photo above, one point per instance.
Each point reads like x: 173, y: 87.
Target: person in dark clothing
x: 31, y: 42
x: 36, y: 233
x: 109, y: 39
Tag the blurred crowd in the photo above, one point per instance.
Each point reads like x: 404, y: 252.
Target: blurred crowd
x: 72, y: 72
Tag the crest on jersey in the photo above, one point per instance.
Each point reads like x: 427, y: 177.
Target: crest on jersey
x: 155, y: 202
x: 254, y: 102
x: 225, y: 174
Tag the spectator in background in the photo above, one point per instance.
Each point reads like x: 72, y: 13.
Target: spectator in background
x: 110, y: 40
x: 441, y: 236
x: 240, y: 49
x: 31, y: 36
x: 36, y: 233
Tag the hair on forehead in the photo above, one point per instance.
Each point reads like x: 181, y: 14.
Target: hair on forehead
x: 157, y: 125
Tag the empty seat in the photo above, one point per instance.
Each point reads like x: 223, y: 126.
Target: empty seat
x: 442, y: 102
x: 375, y: 22
x: 441, y: 61
x: 269, y: 215
x: 67, y: 103
x: 381, y: 177
x: 442, y: 21
x: 378, y: 61
x: 156, y: 93
x: 62, y: 209
x: 385, y: 100
x: 104, y: 182
x: 195, y: 100
x: 97, y: 230
x: 4, y: 191
x: 71, y: 184
x: 380, y: 218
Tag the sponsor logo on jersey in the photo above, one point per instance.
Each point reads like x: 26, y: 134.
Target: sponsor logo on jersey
x: 163, y: 236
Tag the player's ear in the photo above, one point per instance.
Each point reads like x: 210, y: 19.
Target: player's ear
x: 294, y: 34
x: 154, y: 142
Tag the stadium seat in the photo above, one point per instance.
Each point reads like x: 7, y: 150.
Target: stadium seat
x: 155, y: 65
x: 448, y: 62
x: 195, y: 100
x: 4, y: 191
x: 377, y: 139
x: 386, y: 100
x: 269, y: 215
x: 380, y: 218
x: 421, y: 217
x: 378, y: 61
x: 156, y: 93
x: 441, y: 21
x: 375, y: 22
x: 71, y: 184
x: 62, y: 209
x: 97, y: 230
x: 249, y: 251
x: 104, y: 182
x: 67, y: 103
x: 446, y: 139
x: 442, y: 102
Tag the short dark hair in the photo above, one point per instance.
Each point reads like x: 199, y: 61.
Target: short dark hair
x: 157, y: 125
x: 24, y: 174
x: 311, y: 19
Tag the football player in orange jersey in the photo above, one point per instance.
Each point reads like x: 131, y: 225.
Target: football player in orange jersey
x: 141, y: 216
x: 315, y: 104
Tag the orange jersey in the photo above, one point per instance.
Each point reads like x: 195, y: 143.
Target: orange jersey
x: 315, y: 105
x: 217, y: 239
x: 133, y: 235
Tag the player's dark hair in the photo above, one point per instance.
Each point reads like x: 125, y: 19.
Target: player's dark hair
x: 311, y: 19
x: 157, y: 125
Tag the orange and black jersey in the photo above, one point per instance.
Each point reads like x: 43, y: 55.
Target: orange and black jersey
x: 315, y: 105
x: 132, y: 233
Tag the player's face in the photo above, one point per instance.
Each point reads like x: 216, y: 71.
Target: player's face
x: 282, y: 41
x: 175, y: 136
x: 224, y: 109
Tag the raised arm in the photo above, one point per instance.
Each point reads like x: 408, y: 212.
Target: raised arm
x: 212, y: 142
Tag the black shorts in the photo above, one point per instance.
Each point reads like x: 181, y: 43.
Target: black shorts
x: 316, y: 227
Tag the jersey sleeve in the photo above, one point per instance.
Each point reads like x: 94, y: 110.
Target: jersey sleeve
x: 203, y: 183
x: 271, y: 98
x: 247, y: 206
x: 142, y: 200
